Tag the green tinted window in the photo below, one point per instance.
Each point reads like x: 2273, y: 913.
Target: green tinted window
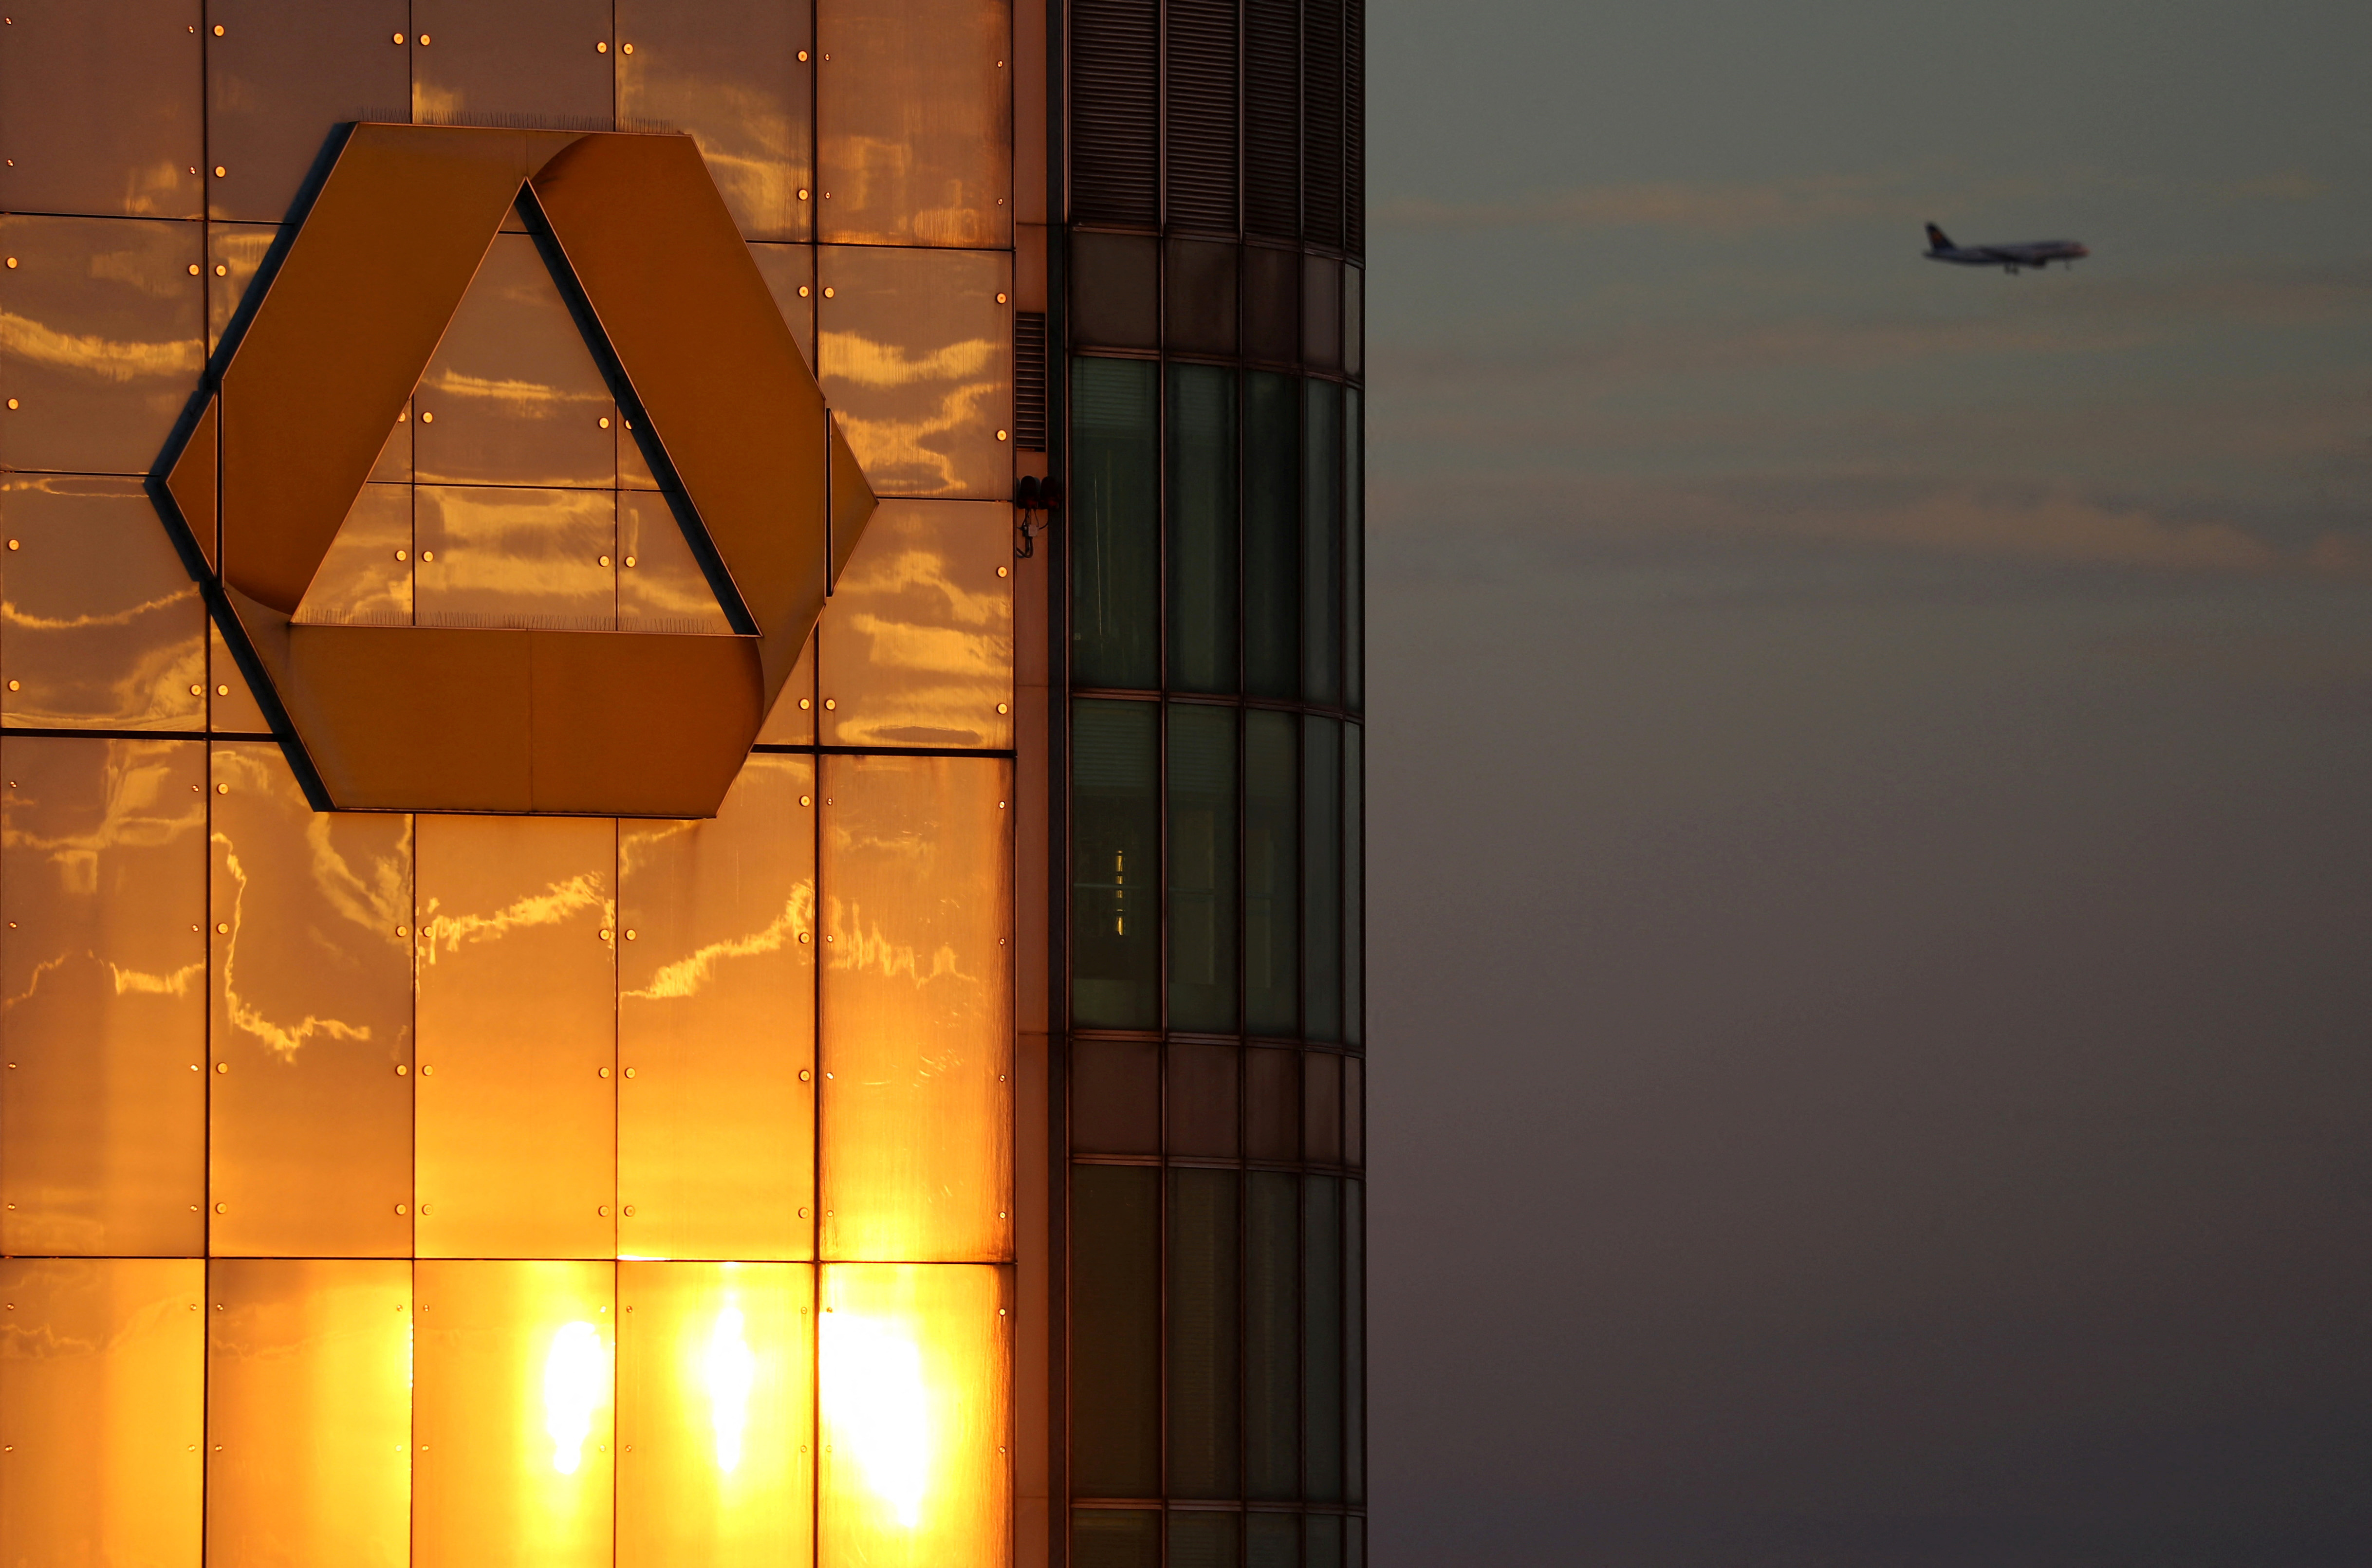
x: 1271, y: 537
x: 1321, y: 544
x: 1203, y: 852
x: 1272, y: 875
x: 1202, y: 528
x: 1115, y: 881
x: 1115, y: 524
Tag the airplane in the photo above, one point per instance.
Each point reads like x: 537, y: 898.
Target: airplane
x: 2038, y: 254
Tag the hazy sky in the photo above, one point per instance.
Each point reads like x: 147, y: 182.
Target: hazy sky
x: 1871, y: 791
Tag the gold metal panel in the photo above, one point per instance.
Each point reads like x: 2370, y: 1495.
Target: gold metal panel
x: 517, y: 1110
x: 914, y: 1367
x: 917, y: 1008
x: 235, y: 254
x: 512, y: 1416
x: 513, y: 395
x: 736, y: 75
x: 231, y: 707
x: 789, y: 272
x: 102, y: 1030
x: 716, y: 1414
x: 916, y: 355
x: 280, y: 77
x: 99, y: 108
x: 193, y: 484
x: 661, y: 585
x: 532, y: 60
x: 792, y: 721
x: 102, y: 330
x: 498, y: 555
x: 308, y: 1413
x: 717, y: 1025
x: 917, y: 641
x: 366, y: 577
x: 103, y: 1408
x: 914, y: 122
x: 100, y: 627
x: 310, y: 1148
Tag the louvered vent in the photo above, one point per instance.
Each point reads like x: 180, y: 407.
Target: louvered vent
x: 1355, y: 126
x: 1322, y: 122
x: 1272, y: 118
x: 1029, y: 380
x: 1202, y: 115
x: 1115, y: 112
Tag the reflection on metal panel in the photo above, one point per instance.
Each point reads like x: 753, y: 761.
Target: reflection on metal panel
x: 102, y: 329
x: 309, y: 1412
x: 733, y: 73
x: 366, y: 579
x: 914, y: 122
x: 100, y: 626
x: 717, y: 1025
x: 518, y: 1009
x: 497, y: 555
x: 917, y: 641
x: 102, y: 1388
x: 789, y: 272
x: 917, y: 1004
x: 280, y: 77
x: 511, y: 1415
x: 100, y: 108
x: 533, y: 61
x: 235, y: 254
x: 716, y: 1414
x: 103, y: 996
x: 311, y: 1152
x: 916, y: 355
x: 791, y: 721
x: 661, y: 585
x: 513, y: 395
x: 231, y: 707
x: 916, y: 1379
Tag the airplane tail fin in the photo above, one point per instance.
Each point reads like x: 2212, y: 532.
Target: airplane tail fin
x: 1936, y: 239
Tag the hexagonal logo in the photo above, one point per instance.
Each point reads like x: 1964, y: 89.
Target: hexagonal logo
x: 298, y: 402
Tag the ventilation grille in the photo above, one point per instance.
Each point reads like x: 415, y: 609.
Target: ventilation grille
x: 1203, y: 114
x: 1273, y: 119
x: 1355, y: 126
x: 1029, y: 380
x: 1115, y: 112
x: 1322, y: 122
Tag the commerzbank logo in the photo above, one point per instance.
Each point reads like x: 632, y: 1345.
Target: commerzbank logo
x: 297, y: 405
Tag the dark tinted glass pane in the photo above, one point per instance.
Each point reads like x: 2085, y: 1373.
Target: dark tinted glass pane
x: 1325, y: 1538
x: 1205, y: 1540
x: 1115, y: 1331
x: 1272, y: 1339
x: 1202, y: 528
x: 1355, y: 882
x: 1321, y: 796
x: 1272, y: 875
x: 1115, y: 463
x: 1271, y: 537
x: 1355, y: 549
x: 1115, y: 1538
x: 1354, y: 1543
x: 1203, y: 1351
x: 1355, y: 1342
x: 1115, y: 926
x: 1322, y: 1315
x: 1321, y: 545
x: 1116, y: 1097
x: 1201, y: 868
x: 1115, y: 291
x: 1272, y: 1541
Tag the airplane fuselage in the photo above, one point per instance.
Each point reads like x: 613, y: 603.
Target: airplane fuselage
x: 2010, y: 258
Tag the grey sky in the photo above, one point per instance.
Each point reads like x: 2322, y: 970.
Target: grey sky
x: 1872, y: 887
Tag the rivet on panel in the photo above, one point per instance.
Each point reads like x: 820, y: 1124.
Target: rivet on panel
x: 604, y: 1072
x: 222, y: 1066
x: 428, y: 555
x: 402, y: 1208
x: 803, y: 56
x: 605, y: 561
x: 401, y: 1071
x: 222, y: 270
x: 12, y: 263
x: 803, y: 1074
x: 13, y: 686
x: 630, y: 937
x: 423, y: 40
x: 829, y: 705
x: 220, y: 171
x: 803, y: 939
x: 193, y: 269
x: 222, y: 927
x: 1003, y: 708
x: 803, y: 196
x: 11, y: 544
x: 1004, y: 572
x: 630, y: 561
x: 601, y: 46
x: 1000, y: 297
x: 426, y: 1073
x: 403, y: 555
x: 807, y: 800
x: 197, y: 690
x: 399, y: 38
x: 222, y: 691
x: 630, y: 1072
x: 222, y: 1209
x: 629, y: 1210
x: 427, y: 418
x: 605, y: 422
x: 1003, y: 435
x: 803, y: 701
x: 603, y: 1210
x: 221, y: 789
x: 626, y: 48
x: 803, y: 288
x: 12, y: 404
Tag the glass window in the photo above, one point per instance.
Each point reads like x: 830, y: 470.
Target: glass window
x: 717, y: 1023
x: 1202, y: 528
x: 512, y: 1413
x: 1355, y: 1342
x: 1115, y: 1331
x: 918, y: 638
x: 100, y: 626
x: 1355, y: 882
x: 1355, y: 549
x: 1272, y: 1541
x: 1322, y: 1335
x: 1321, y: 806
x: 1321, y: 544
x: 1115, y: 524
x: 917, y: 1113
x: 1115, y: 1538
x: 1115, y: 844
x: 915, y: 353
x: 732, y: 74
x: 914, y: 122
x: 102, y: 331
x: 1273, y: 1336
x: 1202, y: 862
x: 531, y: 61
x: 309, y: 1411
x: 1115, y: 1097
x: 104, y: 879
x: 279, y: 76
x: 102, y: 109
x: 916, y: 1385
x: 1204, y: 1363
x: 1271, y: 537
x: 310, y: 1150
x: 1272, y: 875
x: 102, y: 1409
x: 1199, y: 1539
x: 1325, y: 1538
x: 715, y: 1413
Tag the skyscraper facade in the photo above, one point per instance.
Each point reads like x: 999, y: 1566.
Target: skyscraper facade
x: 681, y: 846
